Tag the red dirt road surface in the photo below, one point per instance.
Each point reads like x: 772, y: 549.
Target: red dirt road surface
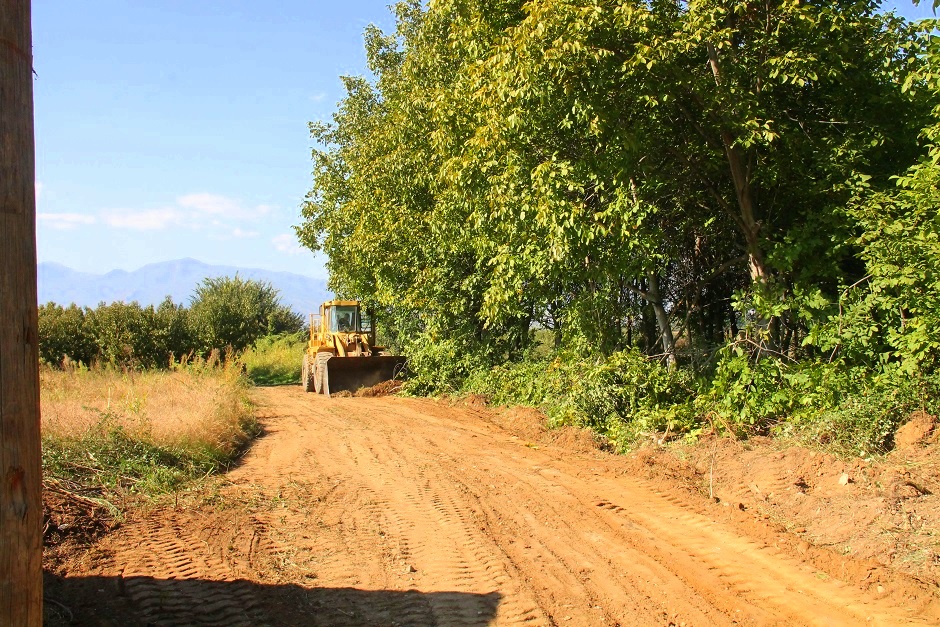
x: 393, y: 511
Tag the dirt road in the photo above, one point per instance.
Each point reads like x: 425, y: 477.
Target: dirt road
x: 392, y: 511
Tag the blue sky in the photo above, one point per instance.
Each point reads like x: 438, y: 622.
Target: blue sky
x: 178, y: 128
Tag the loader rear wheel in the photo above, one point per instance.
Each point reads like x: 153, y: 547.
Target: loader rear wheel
x: 307, y: 375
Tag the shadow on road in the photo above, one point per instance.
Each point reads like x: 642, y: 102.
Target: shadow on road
x: 107, y: 601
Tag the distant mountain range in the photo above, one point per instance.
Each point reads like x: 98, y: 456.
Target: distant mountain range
x: 152, y: 283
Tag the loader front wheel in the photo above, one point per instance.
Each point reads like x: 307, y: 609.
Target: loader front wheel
x: 307, y: 375
x: 320, y: 375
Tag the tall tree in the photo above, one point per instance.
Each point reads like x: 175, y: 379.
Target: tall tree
x: 20, y: 463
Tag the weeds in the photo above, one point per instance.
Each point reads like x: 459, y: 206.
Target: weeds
x: 627, y: 398
x: 623, y: 397
x: 143, y: 432
x: 275, y: 360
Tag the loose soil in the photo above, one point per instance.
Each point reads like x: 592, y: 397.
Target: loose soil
x: 393, y: 511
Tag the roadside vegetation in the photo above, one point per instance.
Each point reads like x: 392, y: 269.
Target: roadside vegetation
x: 141, y: 401
x: 275, y: 359
x: 126, y: 432
x: 655, y: 219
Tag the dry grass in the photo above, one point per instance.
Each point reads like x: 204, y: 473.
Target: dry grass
x: 148, y: 431
x: 170, y: 408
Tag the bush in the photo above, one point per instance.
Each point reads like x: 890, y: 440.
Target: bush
x: 227, y: 315
x: 236, y: 312
x: 440, y: 366
x: 622, y: 397
x: 864, y: 410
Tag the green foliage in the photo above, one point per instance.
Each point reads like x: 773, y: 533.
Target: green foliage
x: 64, y: 332
x: 439, y: 365
x: 623, y: 396
x: 235, y: 312
x: 226, y: 312
x: 850, y: 410
x: 119, y: 334
x: 130, y: 335
x: 275, y: 359
x: 895, y: 311
x: 600, y: 167
x: 869, y: 410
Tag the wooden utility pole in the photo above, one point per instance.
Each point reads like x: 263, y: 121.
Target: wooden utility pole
x: 20, y: 462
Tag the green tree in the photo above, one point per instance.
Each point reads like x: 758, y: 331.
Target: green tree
x: 231, y: 311
x: 124, y: 334
x: 893, y: 312
x: 63, y: 332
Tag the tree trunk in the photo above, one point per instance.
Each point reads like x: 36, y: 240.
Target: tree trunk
x: 741, y: 177
x: 662, y: 320
x: 20, y: 465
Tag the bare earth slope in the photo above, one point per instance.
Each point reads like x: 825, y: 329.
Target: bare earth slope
x: 391, y: 511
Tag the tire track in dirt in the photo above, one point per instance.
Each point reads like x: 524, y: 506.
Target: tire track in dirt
x: 759, y: 578
x: 434, y: 526
x: 584, y: 572
x: 155, y: 572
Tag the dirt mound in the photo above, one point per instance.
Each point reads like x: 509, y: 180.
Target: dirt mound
x: 532, y: 425
x: 385, y: 388
x: 878, y: 512
x: 920, y: 430
x: 477, y: 401
x: 524, y: 422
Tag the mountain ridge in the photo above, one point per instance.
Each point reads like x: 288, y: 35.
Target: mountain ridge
x: 176, y: 278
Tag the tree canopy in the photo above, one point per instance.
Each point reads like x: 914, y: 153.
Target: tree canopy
x: 646, y: 173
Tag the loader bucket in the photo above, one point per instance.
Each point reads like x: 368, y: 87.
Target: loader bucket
x: 352, y: 373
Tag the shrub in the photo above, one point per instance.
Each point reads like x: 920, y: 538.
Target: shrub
x: 440, y: 366
x: 236, y: 312
x: 622, y: 396
x: 124, y: 334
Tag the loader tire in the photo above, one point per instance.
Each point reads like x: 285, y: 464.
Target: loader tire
x: 307, y: 376
x: 321, y: 377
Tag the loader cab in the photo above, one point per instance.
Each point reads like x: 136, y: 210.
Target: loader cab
x: 344, y: 319
x: 341, y: 316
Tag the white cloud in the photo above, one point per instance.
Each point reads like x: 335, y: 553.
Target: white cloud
x: 64, y: 221
x: 213, y: 204
x: 38, y: 190
x: 240, y: 233
x: 218, y: 205
x: 222, y: 217
x: 149, y: 220
x: 287, y: 243
x: 318, y: 97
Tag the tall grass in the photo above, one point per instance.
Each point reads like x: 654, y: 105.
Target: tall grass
x: 146, y: 432
x: 276, y: 359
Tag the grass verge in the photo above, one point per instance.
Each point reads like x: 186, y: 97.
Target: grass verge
x: 144, y: 433
x: 275, y: 360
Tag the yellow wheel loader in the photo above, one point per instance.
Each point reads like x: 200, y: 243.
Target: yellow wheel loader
x: 341, y: 353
